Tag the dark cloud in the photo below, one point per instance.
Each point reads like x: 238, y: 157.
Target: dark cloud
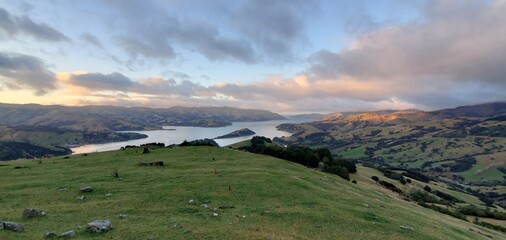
x: 92, y: 39
x: 274, y: 27
x: 99, y: 81
x: 151, y: 33
x: 24, y: 71
x: 151, y: 86
x: 14, y: 25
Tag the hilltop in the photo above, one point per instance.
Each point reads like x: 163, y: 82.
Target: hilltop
x: 213, y: 193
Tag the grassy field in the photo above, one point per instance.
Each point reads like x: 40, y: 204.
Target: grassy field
x: 272, y: 199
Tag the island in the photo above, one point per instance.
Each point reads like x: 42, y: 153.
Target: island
x: 239, y: 133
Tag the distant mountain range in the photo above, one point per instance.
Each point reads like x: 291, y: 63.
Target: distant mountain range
x: 100, y: 118
x: 31, y: 130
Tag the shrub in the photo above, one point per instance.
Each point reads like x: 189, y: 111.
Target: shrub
x: 421, y: 196
x: 427, y: 188
x: 375, y: 178
x: 491, y: 226
x: 444, y: 211
x: 390, y: 186
x: 447, y: 197
x: 402, y: 181
x: 115, y: 173
x: 146, y: 150
x: 350, y: 166
x: 338, y: 170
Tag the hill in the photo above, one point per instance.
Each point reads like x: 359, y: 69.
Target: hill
x: 463, y: 146
x: 39, y: 141
x: 238, y: 133
x: 211, y: 193
x: 109, y: 118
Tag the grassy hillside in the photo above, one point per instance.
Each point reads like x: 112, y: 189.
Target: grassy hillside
x: 272, y: 199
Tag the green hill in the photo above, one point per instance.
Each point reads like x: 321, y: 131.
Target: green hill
x: 192, y: 196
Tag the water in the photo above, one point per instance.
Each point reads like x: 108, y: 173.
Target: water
x: 179, y: 134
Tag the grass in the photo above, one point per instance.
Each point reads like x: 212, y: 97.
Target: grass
x: 272, y: 199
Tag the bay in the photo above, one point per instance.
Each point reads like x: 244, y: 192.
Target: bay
x: 178, y: 134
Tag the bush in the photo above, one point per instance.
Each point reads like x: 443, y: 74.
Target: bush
x: 491, y: 226
x: 427, y: 188
x: 338, y: 170
x: 375, y: 178
x: 478, y: 212
x: 390, y: 186
x: 444, y: 211
x: 447, y: 197
x: 417, y: 176
x: 199, y: 142
x: 352, y: 168
x: 421, y: 197
x: 402, y: 181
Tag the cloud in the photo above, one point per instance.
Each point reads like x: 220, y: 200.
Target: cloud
x: 274, y: 27
x: 99, y: 81
x: 117, y: 82
x: 92, y: 39
x: 151, y: 33
x: 459, y: 45
x: 24, y: 71
x: 255, y: 31
x: 15, y: 25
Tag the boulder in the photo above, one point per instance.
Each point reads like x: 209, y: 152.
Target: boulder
x: 408, y: 228
x: 12, y: 226
x: 69, y: 234
x: 50, y: 235
x: 85, y: 189
x: 99, y: 226
x: 31, y: 213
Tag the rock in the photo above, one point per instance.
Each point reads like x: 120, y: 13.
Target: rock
x: 85, y: 189
x: 99, y: 226
x: 409, y: 228
x: 11, y: 226
x: 81, y: 198
x: 31, y: 213
x: 225, y: 207
x: 205, y: 205
x: 192, y: 202
x: 265, y: 213
x: 177, y: 225
x: 50, y: 235
x: 109, y: 194
x: 123, y: 215
x: 157, y: 163
x: 215, y: 214
x: 69, y: 234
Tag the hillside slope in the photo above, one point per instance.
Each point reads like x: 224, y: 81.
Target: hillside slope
x: 271, y: 199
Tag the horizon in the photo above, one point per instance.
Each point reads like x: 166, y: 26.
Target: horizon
x: 289, y: 57
x: 284, y: 114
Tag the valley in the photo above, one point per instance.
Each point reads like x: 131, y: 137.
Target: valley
x: 464, y: 146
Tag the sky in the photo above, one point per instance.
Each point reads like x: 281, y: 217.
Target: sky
x: 288, y: 56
